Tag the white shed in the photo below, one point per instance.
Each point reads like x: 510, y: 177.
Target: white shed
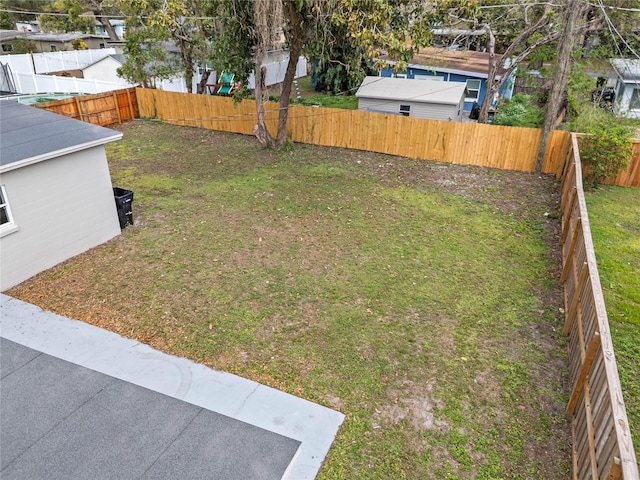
x: 627, y: 101
x: 56, y: 195
x: 436, y: 100
x: 105, y: 69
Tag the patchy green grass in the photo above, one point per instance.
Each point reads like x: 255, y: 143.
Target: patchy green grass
x: 614, y: 215
x: 328, y: 101
x: 420, y: 299
x: 309, y: 97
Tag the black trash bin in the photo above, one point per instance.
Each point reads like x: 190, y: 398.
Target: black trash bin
x: 124, y: 201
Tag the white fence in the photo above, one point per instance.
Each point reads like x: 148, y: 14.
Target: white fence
x: 54, y: 61
x: 27, y: 80
x: 277, y: 69
x: 29, y: 83
x: 275, y: 74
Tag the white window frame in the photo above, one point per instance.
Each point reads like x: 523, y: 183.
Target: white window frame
x: 9, y: 226
x: 634, y: 99
x: 405, y: 110
x: 468, y: 90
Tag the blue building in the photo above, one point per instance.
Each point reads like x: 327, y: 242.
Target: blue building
x: 466, y: 66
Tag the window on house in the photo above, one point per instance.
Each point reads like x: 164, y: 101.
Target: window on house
x: 473, y: 90
x: 53, y: 48
x: 405, y: 110
x: 6, y: 219
x: 102, y: 45
x: 7, y: 47
x: 634, y: 103
x: 401, y: 75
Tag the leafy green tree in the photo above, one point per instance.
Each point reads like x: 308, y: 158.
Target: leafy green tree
x: 22, y: 45
x: 344, y: 35
x: 17, y: 6
x: 152, y: 23
x: 605, y: 148
x: 73, y: 18
x: 6, y: 21
x: 102, y: 10
x: 79, y: 44
x: 358, y: 32
x: 519, y: 112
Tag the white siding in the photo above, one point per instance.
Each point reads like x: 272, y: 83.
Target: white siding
x: 106, y: 70
x: 55, y: 61
x: 432, y: 111
x: 62, y: 207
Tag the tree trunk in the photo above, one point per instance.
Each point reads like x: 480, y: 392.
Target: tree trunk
x: 188, y: 63
x: 202, y: 85
x: 299, y: 32
x: 492, y: 85
x: 104, y: 21
x: 260, y: 129
x: 294, y: 54
x: 568, y: 37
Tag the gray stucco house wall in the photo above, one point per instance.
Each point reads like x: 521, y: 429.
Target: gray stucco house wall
x: 430, y: 99
x: 57, y: 197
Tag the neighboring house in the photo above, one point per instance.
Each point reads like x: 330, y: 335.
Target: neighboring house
x: 627, y: 89
x: 465, y: 66
x: 34, y: 26
x: 105, y: 69
x: 436, y: 100
x: 49, y: 42
x: 56, y: 194
x: 118, y: 27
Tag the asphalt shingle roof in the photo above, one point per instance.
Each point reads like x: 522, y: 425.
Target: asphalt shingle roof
x: 29, y: 134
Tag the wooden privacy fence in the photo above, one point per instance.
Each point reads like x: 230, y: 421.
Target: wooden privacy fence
x: 630, y: 177
x: 602, y: 445
x: 103, y: 109
x: 510, y: 148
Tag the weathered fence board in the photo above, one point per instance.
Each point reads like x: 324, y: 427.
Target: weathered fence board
x: 629, y: 177
x: 511, y: 148
x: 602, y: 445
x: 100, y: 109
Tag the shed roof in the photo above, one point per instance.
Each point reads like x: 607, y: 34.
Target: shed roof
x: 118, y: 57
x: 463, y: 62
x: 29, y: 135
x: 627, y: 69
x: 424, y: 91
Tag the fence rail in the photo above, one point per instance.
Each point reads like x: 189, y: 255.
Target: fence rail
x: 103, y: 109
x: 602, y: 445
x: 510, y: 148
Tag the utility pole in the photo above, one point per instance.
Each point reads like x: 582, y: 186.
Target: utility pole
x: 573, y: 10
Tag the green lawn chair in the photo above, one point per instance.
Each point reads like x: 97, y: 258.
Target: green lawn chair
x: 226, y: 81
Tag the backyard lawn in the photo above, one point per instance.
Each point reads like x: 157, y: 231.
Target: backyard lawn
x: 614, y: 214
x: 420, y: 299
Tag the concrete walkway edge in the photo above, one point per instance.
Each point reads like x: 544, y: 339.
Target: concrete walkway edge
x: 106, y: 352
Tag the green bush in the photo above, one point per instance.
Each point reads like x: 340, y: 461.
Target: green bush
x: 605, y: 148
x: 519, y: 112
